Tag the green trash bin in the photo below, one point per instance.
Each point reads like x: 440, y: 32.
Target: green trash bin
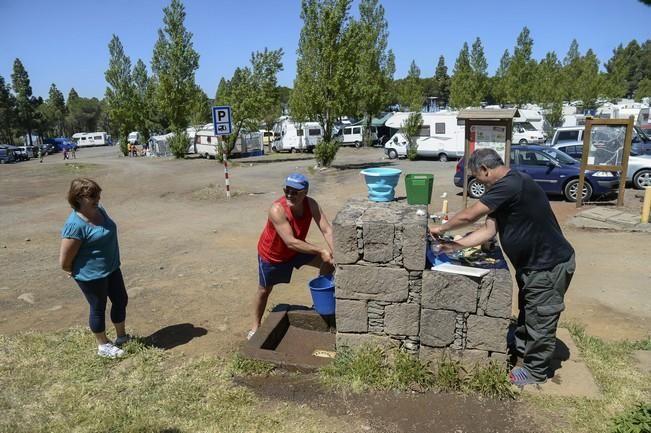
x: 419, y: 188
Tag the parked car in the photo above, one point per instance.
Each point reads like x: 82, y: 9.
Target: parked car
x: 555, y: 171
x: 640, y: 141
x: 21, y: 153
x: 639, y: 166
x: 7, y: 154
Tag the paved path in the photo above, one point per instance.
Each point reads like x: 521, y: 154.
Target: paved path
x: 609, y: 219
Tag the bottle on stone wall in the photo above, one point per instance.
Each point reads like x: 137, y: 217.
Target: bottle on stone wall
x: 444, y: 212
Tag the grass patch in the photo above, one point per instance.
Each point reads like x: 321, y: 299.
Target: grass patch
x: 79, y: 167
x: 621, y: 384
x: 55, y: 383
x: 241, y: 366
x: 372, y: 368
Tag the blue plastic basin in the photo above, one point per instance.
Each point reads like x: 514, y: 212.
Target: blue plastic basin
x: 381, y: 182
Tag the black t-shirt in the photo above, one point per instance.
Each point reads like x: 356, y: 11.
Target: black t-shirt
x: 529, y: 232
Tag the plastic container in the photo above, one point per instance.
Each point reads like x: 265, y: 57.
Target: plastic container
x: 322, y: 289
x: 419, y: 188
x: 381, y: 182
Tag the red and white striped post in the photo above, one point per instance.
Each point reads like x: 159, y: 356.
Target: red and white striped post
x: 228, y: 184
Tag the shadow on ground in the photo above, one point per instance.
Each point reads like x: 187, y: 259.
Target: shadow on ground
x: 174, y: 335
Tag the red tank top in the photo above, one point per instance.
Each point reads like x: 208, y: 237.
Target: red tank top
x: 271, y: 246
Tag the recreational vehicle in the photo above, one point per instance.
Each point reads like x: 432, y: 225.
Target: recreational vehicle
x: 296, y: 137
x: 134, y: 138
x: 353, y: 135
x: 624, y: 111
x: 205, y: 143
x: 441, y: 136
x: 91, y: 139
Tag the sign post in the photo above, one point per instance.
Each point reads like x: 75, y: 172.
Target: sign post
x: 486, y: 128
x: 223, y: 125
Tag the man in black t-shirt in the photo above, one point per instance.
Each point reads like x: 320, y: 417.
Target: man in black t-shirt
x: 518, y: 209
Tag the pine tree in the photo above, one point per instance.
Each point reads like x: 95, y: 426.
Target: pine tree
x: 442, y: 82
x: 174, y: 63
x: 479, y: 67
x: 571, y: 72
x: 462, y: 88
x: 498, y: 83
x: 57, y: 107
x: 592, y: 82
x: 24, y: 104
x: 521, y: 74
x: 7, y: 112
x: 413, y: 95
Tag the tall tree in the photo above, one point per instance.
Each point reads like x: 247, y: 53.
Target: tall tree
x: 251, y: 93
x: 442, y: 82
x: 592, y: 82
x: 498, y: 88
x: 7, y: 112
x: 57, y: 109
x: 461, y: 87
x: 325, y: 67
x: 549, y: 89
x: 24, y: 104
x: 571, y: 71
x: 140, y: 105
x: 413, y: 95
x: 174, y: 64
x: 521, y: 75
x: 120, y: 91
x: 372, y: 62
x: 479, y: 67
x: 549, y: 83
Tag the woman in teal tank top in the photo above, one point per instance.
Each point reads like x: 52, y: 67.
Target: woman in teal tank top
x: 91, y: 256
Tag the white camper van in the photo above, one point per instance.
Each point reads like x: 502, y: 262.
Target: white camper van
x: 296, y: 137
x: 91, y: 139
x: 525, y: 133
x: 441, y: 136
x: 353, y: 135
x: 134, y: 137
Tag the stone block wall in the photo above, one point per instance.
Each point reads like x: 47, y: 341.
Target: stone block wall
x: 386, y: 297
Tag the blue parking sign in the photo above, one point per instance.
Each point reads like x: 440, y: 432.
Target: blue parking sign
x: 222, y: 120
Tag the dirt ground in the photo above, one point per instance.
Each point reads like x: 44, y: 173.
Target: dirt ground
x: 189, y: 255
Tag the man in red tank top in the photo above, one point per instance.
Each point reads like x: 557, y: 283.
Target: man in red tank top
x: 282, y: 246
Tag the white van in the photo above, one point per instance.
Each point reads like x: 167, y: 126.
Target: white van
x: 353, y: 135
x: 92, y: 139
x: 134, y: 138
x: 525, y: 133
x: 441, y: 136
x: 296, y: 137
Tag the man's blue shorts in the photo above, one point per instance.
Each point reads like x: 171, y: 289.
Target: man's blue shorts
x: 270, y: 274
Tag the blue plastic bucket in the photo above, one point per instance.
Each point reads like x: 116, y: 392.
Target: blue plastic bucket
x: 323, y: 294
x: 381, y: 182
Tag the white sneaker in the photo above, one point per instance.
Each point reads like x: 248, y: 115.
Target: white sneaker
x: 108, y: 350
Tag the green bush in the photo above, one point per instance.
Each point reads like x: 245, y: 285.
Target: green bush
x: 124, y: 147
x: 411, y: 129
x: 325, y: 153
x: 179, y: 144
x: 634, y: 420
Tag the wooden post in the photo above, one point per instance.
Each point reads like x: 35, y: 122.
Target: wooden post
x: 647, y: 205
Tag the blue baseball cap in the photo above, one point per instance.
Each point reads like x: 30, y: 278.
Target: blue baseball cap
x: 297, y: 181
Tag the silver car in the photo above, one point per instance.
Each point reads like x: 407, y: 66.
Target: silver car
x: 639, y: 166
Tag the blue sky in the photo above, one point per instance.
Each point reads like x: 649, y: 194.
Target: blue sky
x: 66, y: 41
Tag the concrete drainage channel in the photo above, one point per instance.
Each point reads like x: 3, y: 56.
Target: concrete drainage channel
x: 294, y: 338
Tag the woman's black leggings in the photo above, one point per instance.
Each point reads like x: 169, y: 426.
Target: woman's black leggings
x: 97, y: 291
